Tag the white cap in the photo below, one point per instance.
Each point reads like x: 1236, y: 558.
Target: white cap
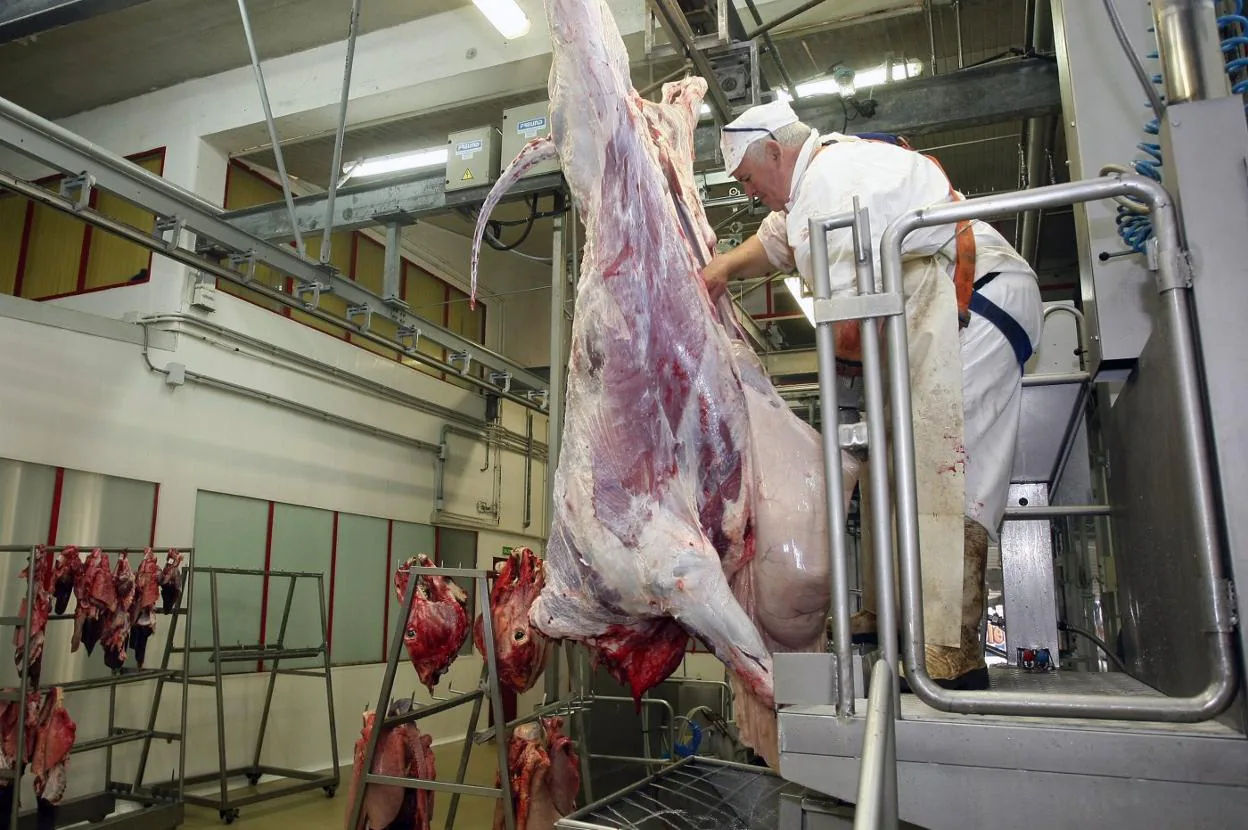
x: 751, y: 125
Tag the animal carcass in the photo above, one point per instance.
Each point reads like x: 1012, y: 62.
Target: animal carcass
x: 143, y: 611
x: 171, y: 581
x: 96, y: 594
x: 41, y: 578
x: 402, y: 752
x: 54, y: 737
x: 115, y: 634
x: 437, y: 624
x: 688, y: 499
x: 520, y: 649
x: 545, y: 776
x: 68, y: 566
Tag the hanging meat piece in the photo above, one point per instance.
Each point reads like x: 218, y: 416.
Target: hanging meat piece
x: 68, y: 566
x: 545, y: 776
x: 519, y: 648
x: 171, y: 581
x: 44, y: 579
x: 437, y: 625
x: 402, y: 752
x: 96, y: 593
x: 115, y: 634
x: 54, y: 738
x: 143, y: 612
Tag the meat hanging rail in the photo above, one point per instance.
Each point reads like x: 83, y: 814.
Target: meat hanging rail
x: 273, y: 654
x: 157, y: 807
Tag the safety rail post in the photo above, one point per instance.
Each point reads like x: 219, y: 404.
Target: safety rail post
x: 1174, y: 286
x: 877, y: 780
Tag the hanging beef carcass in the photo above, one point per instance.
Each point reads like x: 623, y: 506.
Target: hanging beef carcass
x: 41, y: 584
x: 688, y: 499
x: 519, y: 648
x: 115, y: 634
x: 402, y: 752
x: 68, y: 566
x: 545, y: 776
x: 54, y: 738
x: 437, y: 625
x: 171, y: 581
x: 96, y: 594
x: 143, y: 611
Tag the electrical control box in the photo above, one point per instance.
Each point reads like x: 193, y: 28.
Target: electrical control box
x: 520, y: 126
x: 472, y: 158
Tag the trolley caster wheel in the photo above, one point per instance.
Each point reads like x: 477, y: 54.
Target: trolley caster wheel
x: 253, y: 780
x: 229, y: 816
x: 330, y: 791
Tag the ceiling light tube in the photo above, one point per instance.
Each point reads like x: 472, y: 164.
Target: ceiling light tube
x: 506, y: 16
x: 430, y: 157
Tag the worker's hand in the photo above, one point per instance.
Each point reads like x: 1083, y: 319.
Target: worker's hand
x: 715, y: 275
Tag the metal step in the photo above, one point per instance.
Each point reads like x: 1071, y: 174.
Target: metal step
x: 959, y: 771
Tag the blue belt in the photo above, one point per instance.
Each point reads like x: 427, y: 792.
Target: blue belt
x: 1005, y: 324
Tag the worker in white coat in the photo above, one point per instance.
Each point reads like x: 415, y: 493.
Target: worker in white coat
x: 974, y: 317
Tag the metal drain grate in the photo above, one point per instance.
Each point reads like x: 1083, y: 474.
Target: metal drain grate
x: 694, y: 794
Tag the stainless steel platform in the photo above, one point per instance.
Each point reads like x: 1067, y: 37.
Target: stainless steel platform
x: 968, y: 771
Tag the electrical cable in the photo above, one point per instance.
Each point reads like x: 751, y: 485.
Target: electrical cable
x: 1098, y: 642
x: 1154, y: 99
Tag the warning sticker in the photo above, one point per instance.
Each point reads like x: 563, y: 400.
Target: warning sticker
x: 531, y: 127
x: 467, y: 175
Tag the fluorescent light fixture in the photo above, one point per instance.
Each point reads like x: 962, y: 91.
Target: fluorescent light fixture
x: 430, y: 157
x: 876, y: 76
x: 805, y: 303
x: 506, y: 16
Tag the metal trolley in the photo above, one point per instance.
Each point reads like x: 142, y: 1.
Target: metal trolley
x: 156, y: 807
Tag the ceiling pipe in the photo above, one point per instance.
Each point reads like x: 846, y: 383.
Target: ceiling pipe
x: 1037, y: 136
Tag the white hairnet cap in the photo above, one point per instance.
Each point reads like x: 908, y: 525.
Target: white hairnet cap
x: 751, y: 125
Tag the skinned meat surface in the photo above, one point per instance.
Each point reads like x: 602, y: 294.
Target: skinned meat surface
x: 545, y: 775
x: 115, y: 633
x: 171, y: 581
x: 143, y: 611
x: 402, y: 752
x: 688, y: 498
x: 54, y: 738
x: 520, y: 649
x: 68, y: 566
x: 437, y: 625
x: 96, y: 594
x: 44, y: 578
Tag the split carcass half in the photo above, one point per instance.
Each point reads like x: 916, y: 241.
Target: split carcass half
x: 688, y: 498
x: 520, y: 649
x: 96, y: 593
x: 437, y: 625
x: 54, y: 738
x: 43, y: 576
x: 143, y: 611
x: 171, y: 581
x: 115, y: 633
x: 545, y: 776
x: 402, y: 752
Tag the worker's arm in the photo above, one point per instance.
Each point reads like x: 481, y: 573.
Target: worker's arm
x: 749, y: 259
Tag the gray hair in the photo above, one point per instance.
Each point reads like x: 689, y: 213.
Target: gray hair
x: 791, y: 135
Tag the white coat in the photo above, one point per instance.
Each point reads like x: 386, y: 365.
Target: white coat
x: 889, y: 181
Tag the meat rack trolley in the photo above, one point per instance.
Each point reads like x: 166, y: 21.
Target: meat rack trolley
x: 226, y: 804
x: 157, y: 808
x: 488, y: 687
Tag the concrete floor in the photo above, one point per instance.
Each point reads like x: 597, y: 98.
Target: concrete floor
x: 314, y: 810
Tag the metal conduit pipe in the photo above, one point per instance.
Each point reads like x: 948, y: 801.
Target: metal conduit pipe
x: 440, y: 477
x: 335, y: 168
x: 208, y: 267
x: 1176, y: 309
x: 293, y: 406
x: 1038, y: 137
x: 1193, y: 67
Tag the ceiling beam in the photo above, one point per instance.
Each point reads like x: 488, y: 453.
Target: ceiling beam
x: 23, y: 18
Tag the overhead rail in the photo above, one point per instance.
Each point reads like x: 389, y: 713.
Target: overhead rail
x: 178, y: 210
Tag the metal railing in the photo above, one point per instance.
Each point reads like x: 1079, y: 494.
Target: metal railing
x: 876, y: 808
x: 1173, y: 286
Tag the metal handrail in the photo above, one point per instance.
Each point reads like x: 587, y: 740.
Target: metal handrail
x: 876, y: 808
x: 1175, y: 308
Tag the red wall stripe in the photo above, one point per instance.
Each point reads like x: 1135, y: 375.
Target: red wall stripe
x: 333, y: 575
x: 54, y: 520
x: 151, y: 539
x: 24, y: 250
x: 264, y: 596
x: 385, y: 625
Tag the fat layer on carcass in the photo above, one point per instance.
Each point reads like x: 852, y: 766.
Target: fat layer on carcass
x: 143, y: 611
x: 688, y: 499
x: 520, y: 649
x: 402, y: 752
x: 115, y: 633
x: 437, y: 625
x: 96, y: 593
x: 28, y: 644
x: 545, y: 776
x: 54, y: 738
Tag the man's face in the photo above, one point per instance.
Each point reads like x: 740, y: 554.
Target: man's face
x: 766, y: 173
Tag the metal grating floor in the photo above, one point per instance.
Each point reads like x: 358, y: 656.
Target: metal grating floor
x: 695, y: 794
